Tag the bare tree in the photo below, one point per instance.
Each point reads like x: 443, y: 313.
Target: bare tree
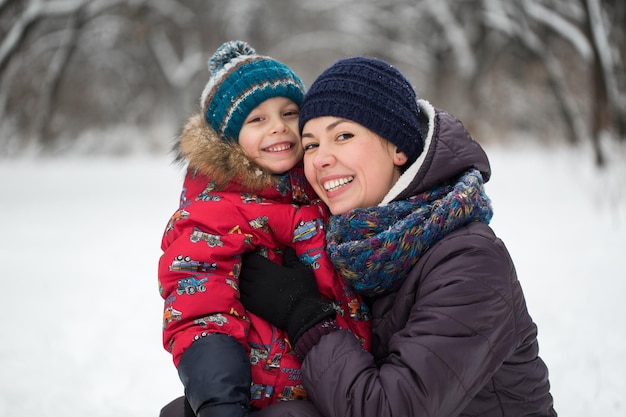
x: 59, y: 40
x: 586, y: 28
x: 67, y: 66
x: 609, y: 108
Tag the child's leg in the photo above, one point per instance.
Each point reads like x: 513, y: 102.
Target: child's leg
x: 177, y: 408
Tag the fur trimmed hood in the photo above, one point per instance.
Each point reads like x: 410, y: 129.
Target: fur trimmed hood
x: 224, y: 161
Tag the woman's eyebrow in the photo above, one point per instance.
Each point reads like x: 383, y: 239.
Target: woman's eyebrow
x: 335, y: 124
x: 328, y: 128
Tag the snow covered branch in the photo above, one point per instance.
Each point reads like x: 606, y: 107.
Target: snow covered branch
x: 177, y: 71
x: 36, y: 9
x: 138, y: 60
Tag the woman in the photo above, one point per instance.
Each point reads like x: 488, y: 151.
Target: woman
x: 404, y: 183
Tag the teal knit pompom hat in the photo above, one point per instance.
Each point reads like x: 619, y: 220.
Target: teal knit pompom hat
x: 239, y: 81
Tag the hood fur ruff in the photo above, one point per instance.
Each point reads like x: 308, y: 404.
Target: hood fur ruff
x: 223, y: 161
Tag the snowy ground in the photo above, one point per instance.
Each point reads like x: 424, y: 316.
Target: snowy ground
x: 81, y: 321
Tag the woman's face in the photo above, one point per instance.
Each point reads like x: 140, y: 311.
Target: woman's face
x: 348, y: 165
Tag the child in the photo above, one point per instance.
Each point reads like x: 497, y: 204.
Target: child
x: 244, y: 191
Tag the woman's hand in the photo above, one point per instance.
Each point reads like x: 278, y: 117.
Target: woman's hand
x: 285, y: 295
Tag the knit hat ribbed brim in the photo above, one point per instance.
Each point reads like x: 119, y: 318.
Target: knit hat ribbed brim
x: 240, y: 80
x: 372, y: 93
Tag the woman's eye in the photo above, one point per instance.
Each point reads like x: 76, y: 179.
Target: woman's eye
x: 345, y: 136
x: 309, y: 146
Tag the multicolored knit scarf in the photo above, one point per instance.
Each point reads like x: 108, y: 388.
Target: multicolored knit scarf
x: 375, y: 248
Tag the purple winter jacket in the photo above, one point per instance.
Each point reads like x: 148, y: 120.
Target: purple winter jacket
x: 455, y: 340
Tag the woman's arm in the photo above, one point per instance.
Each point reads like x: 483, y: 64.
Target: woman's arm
x: 458, y: 332
x: 459, y: 329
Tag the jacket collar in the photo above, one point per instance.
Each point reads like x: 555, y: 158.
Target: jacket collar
x: 224, y: 161
x: 449, y: 150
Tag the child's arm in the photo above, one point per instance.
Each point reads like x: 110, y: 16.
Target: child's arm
x: 309, y: 242
x: 204, y: 324
x: 215, y: 371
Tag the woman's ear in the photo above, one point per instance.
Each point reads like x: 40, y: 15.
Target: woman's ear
x: 399, y: 158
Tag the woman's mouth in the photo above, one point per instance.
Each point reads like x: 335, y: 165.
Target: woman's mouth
x: 335, y: 184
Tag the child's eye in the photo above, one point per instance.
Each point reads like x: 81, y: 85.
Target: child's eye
x: 254, y: 119
x: 292, y: 113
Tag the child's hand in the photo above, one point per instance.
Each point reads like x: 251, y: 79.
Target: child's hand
x: 285, y: 295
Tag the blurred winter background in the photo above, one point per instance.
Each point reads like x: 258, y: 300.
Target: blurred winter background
x: 93, y: 91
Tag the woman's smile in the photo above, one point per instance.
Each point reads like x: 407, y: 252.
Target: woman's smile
x: 335, y: 184
x: 348, y: 165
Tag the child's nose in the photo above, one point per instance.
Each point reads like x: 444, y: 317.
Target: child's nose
x: 278, y: 126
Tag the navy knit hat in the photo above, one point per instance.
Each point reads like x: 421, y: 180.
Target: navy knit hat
x: 372, y: 93
x: 240, y: 81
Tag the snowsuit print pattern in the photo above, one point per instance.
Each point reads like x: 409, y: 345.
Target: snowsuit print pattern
x: 201, y: 261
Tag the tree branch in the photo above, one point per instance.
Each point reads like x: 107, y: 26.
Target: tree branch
x: 35, y: 10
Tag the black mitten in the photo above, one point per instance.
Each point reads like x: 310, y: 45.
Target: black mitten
x: 285, y: 295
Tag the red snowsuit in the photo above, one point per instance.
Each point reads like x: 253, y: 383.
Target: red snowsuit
x: 230, y: 206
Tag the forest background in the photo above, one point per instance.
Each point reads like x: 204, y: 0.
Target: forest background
x: 117, y: 76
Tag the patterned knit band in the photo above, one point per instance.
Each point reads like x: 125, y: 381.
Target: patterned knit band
x: 372, y: 93
x: 391, y: 239
x: 240, y: 81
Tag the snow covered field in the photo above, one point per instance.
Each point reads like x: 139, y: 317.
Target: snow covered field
x: 81, y: 321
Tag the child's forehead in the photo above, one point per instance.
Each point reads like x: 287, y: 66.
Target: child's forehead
x: 278, y: 101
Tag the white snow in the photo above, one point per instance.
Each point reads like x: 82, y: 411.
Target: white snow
x: 81, y: 316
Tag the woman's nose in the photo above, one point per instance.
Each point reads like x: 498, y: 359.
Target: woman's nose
x: 323, y: 157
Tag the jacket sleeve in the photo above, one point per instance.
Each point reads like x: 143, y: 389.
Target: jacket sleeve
x: 204, y: 323
x: 215, y: 372
x: 198, y: 277
x: 459, y: 329
x: 288, y: 409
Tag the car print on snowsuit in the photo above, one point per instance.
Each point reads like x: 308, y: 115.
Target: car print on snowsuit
x: 358, y: 311
x: 208, y: 197
x: 206, y: 194
x: 181, y: 214
x: 185, y: 263
x: 191, y: 285
x: 306, y: 230
x: 170, y: 314
x: 211, y: 240
x: 247, y: 198
x: 258, y: 355
x: 293, y: 393
x: 310, y: 258
x: 258, y: 391
x: 259, y: 222
x: 218, y: 319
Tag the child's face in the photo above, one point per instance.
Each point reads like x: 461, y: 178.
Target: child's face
x: 269, y: 135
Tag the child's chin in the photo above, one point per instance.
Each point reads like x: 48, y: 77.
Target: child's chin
x: 281, y: 168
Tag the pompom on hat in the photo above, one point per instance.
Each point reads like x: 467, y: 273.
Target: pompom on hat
x: 372, y: 93
x: 239, y: 81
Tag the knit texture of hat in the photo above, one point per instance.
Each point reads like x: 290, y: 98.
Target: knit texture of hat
x: 372, y: 93
x: 240, y: 80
